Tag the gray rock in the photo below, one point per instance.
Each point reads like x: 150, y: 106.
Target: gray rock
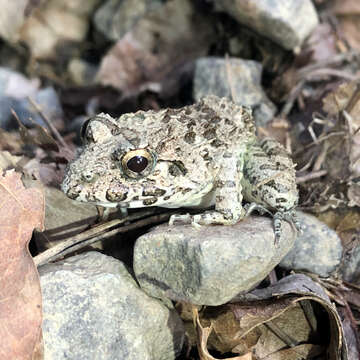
x: 286, y: 22
x: 60, y: 211
x: 46, y: 98
x: 93, y: 309
x: 81, y: 72
x: 116, y: 17
x: 236, y: 79
x: 350, y: 267
x: 49, y: 103
x: 16, y: 85
x: 210, y: 265
x: 317, y: 249
x: 7, y: 121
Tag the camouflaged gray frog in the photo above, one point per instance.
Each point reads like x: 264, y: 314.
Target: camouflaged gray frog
x: 196, y: 156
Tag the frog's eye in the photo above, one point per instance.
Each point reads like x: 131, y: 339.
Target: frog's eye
x: 138, y: 163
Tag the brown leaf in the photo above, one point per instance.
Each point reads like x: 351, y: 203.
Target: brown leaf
x: 203, y: 335
x: 348, y: 12
x: 282, y: 321
x: 347, y: 7
x: 343, y: 151
x: 21, y: 211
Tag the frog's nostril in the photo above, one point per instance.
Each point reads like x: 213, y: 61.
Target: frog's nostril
x: 88, y: 176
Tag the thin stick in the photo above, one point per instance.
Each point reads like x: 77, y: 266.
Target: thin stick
x: 49, y: 124
x: 334, y: 60
x: 311, y: 176
x: 92, y: 235
x: 295, y: 91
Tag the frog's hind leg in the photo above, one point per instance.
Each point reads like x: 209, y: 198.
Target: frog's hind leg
x: 228, y: 194
x: 269, y: 182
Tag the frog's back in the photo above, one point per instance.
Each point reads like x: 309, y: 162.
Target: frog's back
x: 210, y: 126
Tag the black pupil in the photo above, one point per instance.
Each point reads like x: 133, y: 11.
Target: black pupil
x: 137, y: 163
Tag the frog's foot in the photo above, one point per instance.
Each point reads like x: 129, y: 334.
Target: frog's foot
x: 183, y: 219
x: 289, y: 216
x: 278, y: 217
x: 206, y: 218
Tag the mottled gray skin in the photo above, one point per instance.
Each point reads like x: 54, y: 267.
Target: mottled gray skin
x: 199, y: 155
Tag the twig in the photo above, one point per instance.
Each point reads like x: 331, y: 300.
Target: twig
x: 311, y: 176
x: 295, y: 91
x: 335, y: 60
x: 49, y: 124
x: 287, y: 339
x: 93, y: 235
x: 320, y: 139
x: 320, y: 73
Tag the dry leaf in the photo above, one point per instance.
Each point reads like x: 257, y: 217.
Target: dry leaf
x: 347, y: 7
x: 203, y: 335
x: 348, y: 13
x: 344, y: 150
x: 8, y: 161
x: 282, y: 321
x: 21, y: 211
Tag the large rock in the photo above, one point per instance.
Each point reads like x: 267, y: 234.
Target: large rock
x: 210, y: 265
x: 93, y: 309
x: 317, y: 249
x: 236, y: 79
x: 286, y: 22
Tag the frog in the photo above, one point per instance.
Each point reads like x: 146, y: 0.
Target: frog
x: 205, y: 156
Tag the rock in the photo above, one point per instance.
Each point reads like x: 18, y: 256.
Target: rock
x: 14, y: 91
x: 210, y: 265
x: 12, y: 17
x: 7, y: 121
x: 81, y: 72
x: 16, y: 85
x: 317, y: 249
x: 236, y: 79
x: 350, y: 267
x: 48, y: 101
x: 286, y: 22
x: 60, y: 211
x: 93, y: 309
x: 116, y: 17
x: 66, y: 26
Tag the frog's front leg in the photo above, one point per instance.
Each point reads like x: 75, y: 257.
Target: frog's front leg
x: 269, y: 182
x: 228, y: 196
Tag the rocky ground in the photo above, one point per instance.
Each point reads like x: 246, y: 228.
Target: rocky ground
x: 98, y: 286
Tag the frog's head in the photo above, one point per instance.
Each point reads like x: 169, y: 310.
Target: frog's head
x: 116, y: 169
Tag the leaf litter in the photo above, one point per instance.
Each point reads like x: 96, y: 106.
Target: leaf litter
x: 319, y: 92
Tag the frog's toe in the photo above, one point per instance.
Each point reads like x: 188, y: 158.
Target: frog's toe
x: 289, y: 216
x: 182, y: 219
x: 249, y: 208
